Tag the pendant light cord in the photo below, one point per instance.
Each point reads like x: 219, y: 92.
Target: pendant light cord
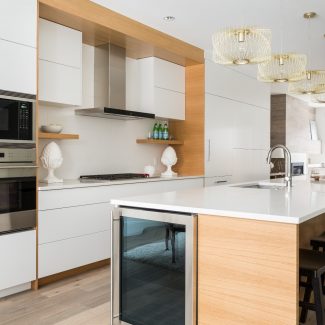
x: 309, y: 43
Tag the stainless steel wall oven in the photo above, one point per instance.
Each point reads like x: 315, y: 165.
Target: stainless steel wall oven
x: 17, y: 187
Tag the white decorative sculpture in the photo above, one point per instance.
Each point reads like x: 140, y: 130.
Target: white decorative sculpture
x: 51, y: 159
x: 169, y: 159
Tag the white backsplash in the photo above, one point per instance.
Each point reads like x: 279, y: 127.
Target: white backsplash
x: 105, y: 146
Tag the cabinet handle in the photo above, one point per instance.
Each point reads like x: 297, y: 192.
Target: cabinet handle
x: 17, y: 166
x: 219, y: 182
x: 209, y: 150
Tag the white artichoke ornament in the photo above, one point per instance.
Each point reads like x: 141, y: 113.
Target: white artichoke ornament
x: 51, y: 159
x: 169, y: 159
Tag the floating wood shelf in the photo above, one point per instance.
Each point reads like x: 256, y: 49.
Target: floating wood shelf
x: 166, y: 142
x: 58, y: 136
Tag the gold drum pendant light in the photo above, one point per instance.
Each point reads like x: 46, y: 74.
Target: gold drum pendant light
x: 314, y: 80
x: 241, y: 46
x: 284, y: 67
x: 313, y: 83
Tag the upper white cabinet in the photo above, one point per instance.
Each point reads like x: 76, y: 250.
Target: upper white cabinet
x: 162, y: 88
x: 17, y: 68
x: 226, y: 82
x: 60, y: 44
x: 18, y: 33
x: 18, y: 21
x: 60, y: 68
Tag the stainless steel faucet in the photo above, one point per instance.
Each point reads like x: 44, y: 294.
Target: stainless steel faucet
x: 287, y: 157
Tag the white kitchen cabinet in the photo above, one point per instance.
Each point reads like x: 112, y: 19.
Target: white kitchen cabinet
x: 60, y: 64
x: 251, y: 127
x: 250, y: 165
x: 59, y: 84
x: 74, y: 224
x: 162, y: 88
x: 60, y: 44
x: 237, y: 124
x: 73, y: 252
x: 70, y: 197
x: 225, y: 82
x: 18, y: 259
x: 18, y: 23
x: 219, y: 136
x: 169, y: 104
x: 17, y: 68
x: 77, y: 221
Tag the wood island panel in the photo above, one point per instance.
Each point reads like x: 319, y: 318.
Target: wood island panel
x: 247, y: 272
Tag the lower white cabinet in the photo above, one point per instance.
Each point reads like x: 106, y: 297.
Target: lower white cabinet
x: 70, y: 253
x: 60, y: 224
x: 18, y: 259
x: 17, y: 68
x: 74, y: 225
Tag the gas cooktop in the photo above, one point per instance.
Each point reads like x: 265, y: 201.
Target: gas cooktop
x: 112, y: 177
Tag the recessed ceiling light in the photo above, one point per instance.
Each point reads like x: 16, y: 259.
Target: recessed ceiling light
x: 169, y: 18
x: 309, y: 15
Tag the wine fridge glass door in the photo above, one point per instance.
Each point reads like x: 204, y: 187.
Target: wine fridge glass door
x: 156, y: 267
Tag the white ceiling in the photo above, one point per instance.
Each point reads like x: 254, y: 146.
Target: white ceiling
x: 196, y: 20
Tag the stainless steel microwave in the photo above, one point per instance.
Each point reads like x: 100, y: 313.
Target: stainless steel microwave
x: 17, y: 116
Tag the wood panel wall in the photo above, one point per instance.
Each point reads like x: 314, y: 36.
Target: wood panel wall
x: 247, y: 272
x: 191, y: 131
x: 278, y: 119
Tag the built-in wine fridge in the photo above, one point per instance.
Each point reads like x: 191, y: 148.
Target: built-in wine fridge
x: 154, y: 267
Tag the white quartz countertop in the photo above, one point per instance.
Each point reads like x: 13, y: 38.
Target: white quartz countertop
x: 75, y: 183
x: 303, y: 202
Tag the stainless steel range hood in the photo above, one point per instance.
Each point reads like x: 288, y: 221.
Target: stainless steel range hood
x: 109, y: 86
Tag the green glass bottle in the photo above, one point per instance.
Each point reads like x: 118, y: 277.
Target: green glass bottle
x: 165, y: 132
x: 160, y: 132
x: 155, y: 133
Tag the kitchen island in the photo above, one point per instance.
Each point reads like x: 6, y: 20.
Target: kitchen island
x: 248, y: 247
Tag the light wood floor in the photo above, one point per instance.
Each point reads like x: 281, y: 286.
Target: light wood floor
x: 79, y: 300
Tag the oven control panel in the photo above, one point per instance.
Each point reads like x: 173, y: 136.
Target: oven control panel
x: 19, y: 155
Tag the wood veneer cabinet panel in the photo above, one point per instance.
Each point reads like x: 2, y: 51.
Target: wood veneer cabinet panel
x: 100, y: 25
x: 191, y: 131
x: 278, y: 119
x: 247, y: 272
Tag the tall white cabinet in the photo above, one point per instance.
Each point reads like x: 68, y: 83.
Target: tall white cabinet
x: 60, y: 64
x: 18, y: 34
x: 237, y: 126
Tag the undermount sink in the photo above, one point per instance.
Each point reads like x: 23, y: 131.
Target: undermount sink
x: 266, y: 186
